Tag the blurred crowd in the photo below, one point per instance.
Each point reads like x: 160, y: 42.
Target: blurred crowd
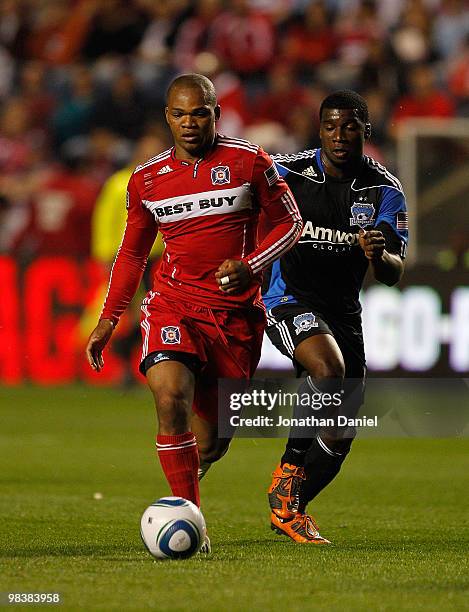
x: 82, y: 87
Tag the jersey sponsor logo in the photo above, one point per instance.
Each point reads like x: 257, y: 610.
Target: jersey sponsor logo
x: 362, y: 214
x: 170, y: 334
x: 201, y: 204
x: 214, y: 202
x: 311, y: 233
x: 164, y: 170
x: 220, y: 175
x: 271, y: 175
x: 310, y: 171
x: 304, y: 322
x: 402, y: 220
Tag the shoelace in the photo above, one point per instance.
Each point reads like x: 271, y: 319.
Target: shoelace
x: 306, y: 518
x: 295, y: 494
x: 310, y: 519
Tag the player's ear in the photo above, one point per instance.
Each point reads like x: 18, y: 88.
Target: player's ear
x: 166, y: 113
x: 217, y: 110
x: 367, y: 130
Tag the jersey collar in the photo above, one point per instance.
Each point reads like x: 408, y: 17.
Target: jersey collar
x: 206, y: 157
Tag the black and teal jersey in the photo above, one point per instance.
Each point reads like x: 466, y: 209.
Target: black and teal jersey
x: 326, y: 268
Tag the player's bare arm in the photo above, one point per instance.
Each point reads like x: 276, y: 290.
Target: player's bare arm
x: 98, y: 339
x: 233, y: 276
x: 387, y: 267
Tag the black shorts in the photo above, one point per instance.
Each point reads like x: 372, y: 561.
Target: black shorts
x: 289, y: 324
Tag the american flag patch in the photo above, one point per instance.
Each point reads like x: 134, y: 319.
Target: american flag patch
x: 402, y: 220
x: 272, y: 175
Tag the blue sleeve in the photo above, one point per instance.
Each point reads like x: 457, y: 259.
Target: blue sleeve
x: 282, y: 170
x: 393, y: 212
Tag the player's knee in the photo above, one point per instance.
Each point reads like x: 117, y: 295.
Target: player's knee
x: 328, y: 367
x: 173, y: 407
x: 172, y: 401
x: 170, y: 394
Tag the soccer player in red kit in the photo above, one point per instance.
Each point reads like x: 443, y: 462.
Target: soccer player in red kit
x: 204, y: 318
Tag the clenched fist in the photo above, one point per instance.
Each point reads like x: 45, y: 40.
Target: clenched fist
x: 233, y: 276
x: 373, y: 244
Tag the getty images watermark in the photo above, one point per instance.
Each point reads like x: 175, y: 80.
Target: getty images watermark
x: 268, y: 408
x: 279, y: 400
x: 271, y: 408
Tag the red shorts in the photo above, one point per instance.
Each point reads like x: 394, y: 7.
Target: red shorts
x: 226, y: 342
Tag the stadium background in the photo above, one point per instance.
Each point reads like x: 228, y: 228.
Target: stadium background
x: 82, y: 87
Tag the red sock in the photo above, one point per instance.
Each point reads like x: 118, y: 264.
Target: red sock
x: 179, y: 459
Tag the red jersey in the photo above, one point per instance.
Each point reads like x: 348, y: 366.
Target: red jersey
x: 207, y: 212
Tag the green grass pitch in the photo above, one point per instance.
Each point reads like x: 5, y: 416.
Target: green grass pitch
x: 397, y: 516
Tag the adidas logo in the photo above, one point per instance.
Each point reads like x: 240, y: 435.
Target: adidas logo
x: 309, y: 171
x: 164, y: 170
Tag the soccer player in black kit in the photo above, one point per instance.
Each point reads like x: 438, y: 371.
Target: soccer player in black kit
x: 354, y: 215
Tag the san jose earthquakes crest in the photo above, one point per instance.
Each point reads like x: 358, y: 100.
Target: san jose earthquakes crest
x: 362, y: 214
x: 170, y: 334
x: 220, y: 175
x: 304, y: 322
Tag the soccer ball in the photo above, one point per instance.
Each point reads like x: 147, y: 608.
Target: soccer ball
x: 173, y: 528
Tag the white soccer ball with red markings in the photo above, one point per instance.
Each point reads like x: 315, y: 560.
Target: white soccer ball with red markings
x: 173, y: 528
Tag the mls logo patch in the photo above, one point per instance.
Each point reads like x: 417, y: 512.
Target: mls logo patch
x: 159, y: 357
x: 362, y: 214
x: 304, y: 322
x: 220, y: 175
x: 170, y: 335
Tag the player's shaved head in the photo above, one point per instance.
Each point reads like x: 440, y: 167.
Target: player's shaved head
x: 191, y: 113
x: 194, y: 81
x: 346, y: 99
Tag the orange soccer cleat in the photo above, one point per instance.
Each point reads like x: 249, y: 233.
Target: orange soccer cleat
x: 284, y: 491
x: 302, y: 528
